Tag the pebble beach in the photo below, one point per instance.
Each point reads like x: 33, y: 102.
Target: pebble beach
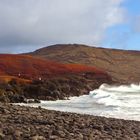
x: 27, y: 123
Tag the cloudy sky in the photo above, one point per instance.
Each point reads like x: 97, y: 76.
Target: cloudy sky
x: 26, y: 25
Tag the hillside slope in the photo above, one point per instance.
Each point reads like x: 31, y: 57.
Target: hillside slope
x: 31, y: 67
x: 123, y: 66
x: 23, y: 77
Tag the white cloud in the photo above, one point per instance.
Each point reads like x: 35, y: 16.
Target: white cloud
x: 44, y: 22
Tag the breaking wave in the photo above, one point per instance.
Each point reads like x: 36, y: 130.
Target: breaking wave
x: 110, y: 101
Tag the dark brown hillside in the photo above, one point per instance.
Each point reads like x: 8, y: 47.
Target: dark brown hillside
x: 123, y: 66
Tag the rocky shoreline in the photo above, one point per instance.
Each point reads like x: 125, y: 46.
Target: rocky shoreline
x: 57, y: 88
x: 26, y: 123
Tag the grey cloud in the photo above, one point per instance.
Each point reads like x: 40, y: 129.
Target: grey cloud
x: 43, y: 22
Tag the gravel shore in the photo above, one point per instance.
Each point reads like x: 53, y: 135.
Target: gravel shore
x: 26, y: 123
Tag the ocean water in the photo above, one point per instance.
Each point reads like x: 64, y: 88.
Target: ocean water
x: 110, y: 101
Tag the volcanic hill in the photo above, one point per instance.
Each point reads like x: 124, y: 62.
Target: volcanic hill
x: 122, y: 65
x: 23, y: 77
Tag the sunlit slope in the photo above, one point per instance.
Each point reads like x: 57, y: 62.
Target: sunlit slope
x: 28, y: 67
x: 122, y: 65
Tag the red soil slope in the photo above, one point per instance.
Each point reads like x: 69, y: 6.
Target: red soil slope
x: 29, y: 67
x: 6, y: 79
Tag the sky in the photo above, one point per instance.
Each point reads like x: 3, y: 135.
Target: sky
x: 31, y: 24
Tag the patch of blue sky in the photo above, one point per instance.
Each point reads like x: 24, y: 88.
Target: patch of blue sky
x: 117, y: 36
x: 134, y: 42
x: 132, y: 6
x: 123, y: 36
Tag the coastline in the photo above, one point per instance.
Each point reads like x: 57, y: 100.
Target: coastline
x: 20, y: 122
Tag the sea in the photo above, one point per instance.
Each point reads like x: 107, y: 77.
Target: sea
x: 121, y: 102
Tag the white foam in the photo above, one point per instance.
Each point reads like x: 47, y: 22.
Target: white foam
x: 110, y: 101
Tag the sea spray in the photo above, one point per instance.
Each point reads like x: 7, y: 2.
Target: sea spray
x: 110, y: 101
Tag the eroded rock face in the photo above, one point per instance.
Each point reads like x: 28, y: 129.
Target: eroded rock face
x: 56, y: 88
x: 17, y: 122
x: 65, y: 86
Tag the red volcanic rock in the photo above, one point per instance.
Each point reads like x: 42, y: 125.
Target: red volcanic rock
x: 24, y: 66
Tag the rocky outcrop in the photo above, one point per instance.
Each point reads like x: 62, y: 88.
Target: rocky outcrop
x: 122, y: 65
x: 65, y: 86
x: 60, y: 87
